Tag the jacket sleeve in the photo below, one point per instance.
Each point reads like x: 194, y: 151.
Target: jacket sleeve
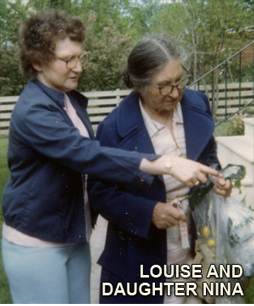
x: 212, y: 146
x: 128, y: 212
x: 45, y: 129
x: 123, y: 210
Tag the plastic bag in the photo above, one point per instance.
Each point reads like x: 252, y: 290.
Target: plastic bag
x: 204, y: 217
x: 225, y: 228
x: 237, y: 222
x: 207, y: 207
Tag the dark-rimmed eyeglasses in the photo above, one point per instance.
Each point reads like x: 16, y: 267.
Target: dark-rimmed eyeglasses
x: 167, y: 89
x: 72, y: 60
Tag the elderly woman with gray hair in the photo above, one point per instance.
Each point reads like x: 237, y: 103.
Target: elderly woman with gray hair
x: 159, y: 116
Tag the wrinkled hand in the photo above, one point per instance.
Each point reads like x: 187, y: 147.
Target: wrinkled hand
x: 166, y: 216
x: 223, y: 187
x: 190, y: 172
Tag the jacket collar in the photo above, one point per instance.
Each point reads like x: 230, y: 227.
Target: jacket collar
x: 198, y: 123
x: 130, y: 124
x: 58, y: 96
x: 79, y: 101
x: 129, y: 115
x: 55, y: 95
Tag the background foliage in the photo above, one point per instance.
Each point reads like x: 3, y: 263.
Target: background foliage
x: 210, y: 31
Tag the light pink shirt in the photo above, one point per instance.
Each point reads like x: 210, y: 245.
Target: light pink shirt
x: 163, y: 143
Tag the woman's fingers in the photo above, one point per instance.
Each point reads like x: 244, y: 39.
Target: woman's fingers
x: 223, y: 187
x: 211, y: 171
x: 191, y: 173
x: 166, y: 216
x: 188, y: 172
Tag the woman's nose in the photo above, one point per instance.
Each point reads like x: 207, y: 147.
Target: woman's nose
x: 78, y: 67
x: 175, y: 92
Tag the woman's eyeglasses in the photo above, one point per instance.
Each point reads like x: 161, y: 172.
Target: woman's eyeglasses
x: 167, y: 89
x: 72, y: 60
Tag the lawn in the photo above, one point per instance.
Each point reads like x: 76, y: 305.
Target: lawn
x: 5, y: 297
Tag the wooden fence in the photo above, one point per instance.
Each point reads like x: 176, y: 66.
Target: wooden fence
x: 228, y: 98
x: 101, y: 103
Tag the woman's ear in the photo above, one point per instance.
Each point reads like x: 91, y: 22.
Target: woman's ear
x: 141, y: 91
x: 37, y: 67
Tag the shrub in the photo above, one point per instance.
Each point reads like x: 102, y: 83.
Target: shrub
x: 232, y: 127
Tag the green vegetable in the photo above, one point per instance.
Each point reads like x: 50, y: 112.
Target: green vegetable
x: 234, y: 173
x: 199, y: 193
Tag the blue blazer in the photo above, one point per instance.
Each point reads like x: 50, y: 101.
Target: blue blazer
x: 132, y: 239
x: 46, y: 156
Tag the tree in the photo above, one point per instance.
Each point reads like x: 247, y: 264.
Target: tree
x: 209, y: 30
x: 247, y: 4
x: 140, y: 15
x: 12, y: 15
x: 108, y: 56
x: 61, y: 4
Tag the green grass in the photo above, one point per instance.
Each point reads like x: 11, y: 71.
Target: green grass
x: 5, y: 297
x: 233, y: 127
x: 249, y: 293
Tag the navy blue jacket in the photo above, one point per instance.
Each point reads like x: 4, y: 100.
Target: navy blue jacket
x: 132, y: 239
x: 44, y: 195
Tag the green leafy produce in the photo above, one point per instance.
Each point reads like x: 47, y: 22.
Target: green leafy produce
x: 234, y: 173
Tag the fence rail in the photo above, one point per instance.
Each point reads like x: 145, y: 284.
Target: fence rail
x: 233, y: 69
x: 230, y: 97
x: 101, y: 103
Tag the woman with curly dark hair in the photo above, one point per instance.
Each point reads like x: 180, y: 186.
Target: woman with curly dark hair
x: 52, y: 149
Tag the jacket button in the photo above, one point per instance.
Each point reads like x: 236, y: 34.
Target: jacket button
x: 142, y: 179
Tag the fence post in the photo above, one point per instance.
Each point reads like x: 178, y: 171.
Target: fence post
x: 226, y: 86
x: 240, y: 77
x: 118, y: 98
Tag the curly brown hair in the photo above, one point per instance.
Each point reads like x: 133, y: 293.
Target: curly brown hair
x: 39, y: 33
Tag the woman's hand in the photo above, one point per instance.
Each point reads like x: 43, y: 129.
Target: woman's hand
x: 223, y: 187
x: 165, y: 216
x: 184, y: 170
x: 189, y: 172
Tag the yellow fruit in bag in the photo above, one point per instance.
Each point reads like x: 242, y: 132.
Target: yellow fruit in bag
x: 205, y: 231
x: 211, y: 243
